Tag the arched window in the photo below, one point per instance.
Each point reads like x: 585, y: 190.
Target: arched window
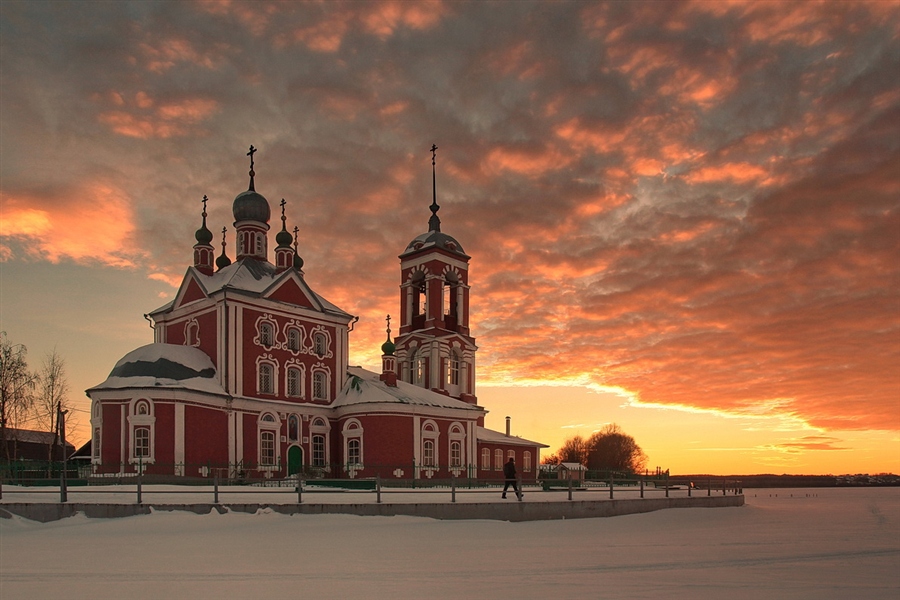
x: 457, y: 438
x: 320, y: 385
x: 95, y: 444
x: 417, y: 366
x: 293, y: 339
x: 526, y: 461
x: 294, y: 382
x: 293, y: 428
x: 320, y: 431
x: 266, y: 334
x: 498, y: 459
x: 266, y: 379
x: 192, y: 334
x: 353, y: 444
x: 142, y: 424
x: 428, y: 458
x: 320, y: 344
x: 485, y: 459
x: 455, y: 454
x: 510, y: 454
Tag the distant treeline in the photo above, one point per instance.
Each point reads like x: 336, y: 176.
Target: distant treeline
x: 790, y: 481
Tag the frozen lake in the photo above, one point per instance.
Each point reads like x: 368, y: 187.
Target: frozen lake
x: 785, y: 543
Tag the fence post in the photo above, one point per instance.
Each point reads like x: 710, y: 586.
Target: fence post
x: 611, y: 481
x: 690, y: 485
x: 139, y: 478
x: 667, y: 485
x: 570, y: 488
x: 642, y: 487
x: 61, y: 425
x: 299, y: 489
x: 378, y: 488
x: 216, y: 486
x: 724, y: 485
x: 709, y: 487
x: 453, y: 488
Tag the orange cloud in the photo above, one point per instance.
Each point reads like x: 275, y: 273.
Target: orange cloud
x: 146, y: 118
x: 93, y: 222
x: 384, y: 18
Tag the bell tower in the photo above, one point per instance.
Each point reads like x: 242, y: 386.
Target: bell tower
x: 434, y: 348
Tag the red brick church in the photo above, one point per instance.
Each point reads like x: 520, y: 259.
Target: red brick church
x: 248, y: 372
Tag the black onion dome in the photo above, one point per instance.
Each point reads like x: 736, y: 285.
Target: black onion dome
x: 298, y: 262
x: 284, y: 238
x: 251, y: 206
x: 223, y: 261
x: 203, y: 236
x: 432, y: 239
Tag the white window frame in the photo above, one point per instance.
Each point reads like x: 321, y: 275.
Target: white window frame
x: 320, y: 427
x: 141, y: 416
x: 325, y: 374
x: 485, y: 459
x: 352, y: 431
x: 300, y: 369
x: 456, y: 435
x: 498, y: 459
x: 268, y: 423
x: 431, y: 435
x: 272, y: 378
x: 526, y: 461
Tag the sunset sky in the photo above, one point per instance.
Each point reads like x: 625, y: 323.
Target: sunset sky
x: 683, y: 217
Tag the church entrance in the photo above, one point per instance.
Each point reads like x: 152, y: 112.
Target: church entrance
x: 295, y: 459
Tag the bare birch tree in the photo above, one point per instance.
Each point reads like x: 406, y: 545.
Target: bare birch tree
x: 52, y: 395
x: 16, y: 389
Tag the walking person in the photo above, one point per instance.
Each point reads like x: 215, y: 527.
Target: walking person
x: 509, y: 473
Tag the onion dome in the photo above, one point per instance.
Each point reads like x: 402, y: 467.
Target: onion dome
x: 251, y: 205
x: 298, y: 262
x: 388, y: 347
x: 203, y: 235
x: 223, y: 261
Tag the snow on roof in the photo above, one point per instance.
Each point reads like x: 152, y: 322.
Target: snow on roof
x: 164, y: 365
x: 32, y: 437
x: 490, y: 436
x: 256, y: 277
x: 365, y: 387
x: 572, y: 466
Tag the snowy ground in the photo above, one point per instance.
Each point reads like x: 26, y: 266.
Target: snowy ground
x: 801, y: 543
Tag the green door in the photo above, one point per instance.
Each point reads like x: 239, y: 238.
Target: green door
x: 295, y: 459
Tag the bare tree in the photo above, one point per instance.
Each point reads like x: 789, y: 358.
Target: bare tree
x: 611, y: 449
x: 52, y: 396
x: 573, y: 450
x: 16, y: 388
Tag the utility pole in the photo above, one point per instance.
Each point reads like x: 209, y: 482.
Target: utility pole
x: 61, y: 432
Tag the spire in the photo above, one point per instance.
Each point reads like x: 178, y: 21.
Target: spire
x: 252, y: 172
x: 283, y: 238
x: 223, y: 260
x: 388, y: 361
x: 434, y: 223
x: 203, y: 235
x: 284, y: 253
x: 298, y: 262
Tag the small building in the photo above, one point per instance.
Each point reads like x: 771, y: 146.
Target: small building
x: 26, y: 444
x: 571, y: 470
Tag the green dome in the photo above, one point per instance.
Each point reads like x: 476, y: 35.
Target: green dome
x: 388, y: 348
x: 298, y: 262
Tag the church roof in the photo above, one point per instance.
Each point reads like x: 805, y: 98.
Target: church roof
x: 489, y: 436
x: 435, y: 239
x: 254, y: 277
x: 164, y: 366
x: 365, y: 387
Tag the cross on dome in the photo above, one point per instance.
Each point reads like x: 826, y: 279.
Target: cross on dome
x: 434, y: 223
x: 252, y: 173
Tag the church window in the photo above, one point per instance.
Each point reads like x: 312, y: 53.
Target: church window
x: 485, y: 459
x: 353, y: 443
x: 457, y: 437
x: 498, y: 459
x: 511, y: 454
x: 455, y: 454
x: 95, y: 443
x: 318, y: 450
x: 453, y: 369
x: 259, y: 244
x: 141, y: 442
x: 320, y: 346
x: 526, y: 461
x: 294, y: 382
x: 428, y: 458
x: 267, y: 448
x: 192, y: 334
x: 320, y: 430
x: 293, y: 339
x: 293, y: 428
x: 142, y: 424
x: 353, y: 452
x: 266, y: 334
x: 320, y: 385
x: 265, y: 379
x: 417, y: 368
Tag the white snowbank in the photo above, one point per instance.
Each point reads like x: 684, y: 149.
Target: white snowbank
x: 785, y: 544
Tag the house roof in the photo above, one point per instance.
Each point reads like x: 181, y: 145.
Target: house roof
x: 164, y: 366
x: 29, y: 436
x: 365, y: 387
x: 490, y: 436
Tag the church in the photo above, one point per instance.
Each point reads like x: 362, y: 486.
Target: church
x: 248, y: 374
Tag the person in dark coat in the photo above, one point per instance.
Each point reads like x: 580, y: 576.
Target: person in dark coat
x: 509, y: 472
